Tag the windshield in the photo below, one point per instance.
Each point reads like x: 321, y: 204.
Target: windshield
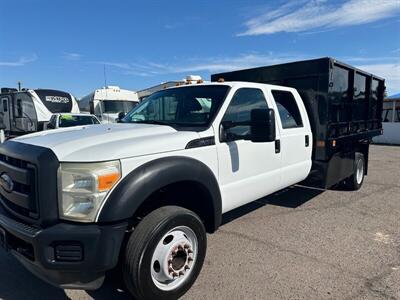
x: 68, y: 121
x: 185, y: 106
x: 117, y: 106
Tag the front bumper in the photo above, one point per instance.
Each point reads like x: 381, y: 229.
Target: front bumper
x: 67, y: 255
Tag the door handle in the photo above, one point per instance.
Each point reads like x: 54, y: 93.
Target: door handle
x: 277, y: 146
x: 307, y: 140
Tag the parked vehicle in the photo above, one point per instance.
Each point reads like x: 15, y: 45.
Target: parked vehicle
x: 109, y: 103
x: 390, y: 121
x: 71, y: 120
x: 143, y: 194
x: 29, y: 110
x: 191, y: 79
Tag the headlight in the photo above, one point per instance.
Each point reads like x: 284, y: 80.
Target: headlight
x: 83, y: 188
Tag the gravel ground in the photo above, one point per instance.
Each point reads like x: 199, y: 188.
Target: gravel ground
x: 297, y: 244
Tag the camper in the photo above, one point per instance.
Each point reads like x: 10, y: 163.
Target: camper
x: 30, y: 110
x: 191, y: 79
x: 391, y: 121
x: 109, y: 103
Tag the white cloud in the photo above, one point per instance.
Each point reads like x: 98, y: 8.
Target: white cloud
x: 387, y: 67
x: 389, y: 71
x: 22, y: 61
x: 301, y: 16
x: 210, y: 65
x: 72, y: 56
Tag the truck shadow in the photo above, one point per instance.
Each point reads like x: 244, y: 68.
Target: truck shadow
x: 16, y: 283
x: 291, y: 197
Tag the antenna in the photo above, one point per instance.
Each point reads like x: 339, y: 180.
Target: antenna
x: 105, y: 76
x: 19, y: 85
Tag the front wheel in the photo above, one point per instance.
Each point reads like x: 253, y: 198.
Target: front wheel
x: 165, y: 254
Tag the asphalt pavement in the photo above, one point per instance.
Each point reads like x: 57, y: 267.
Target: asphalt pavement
x: 297, y: 244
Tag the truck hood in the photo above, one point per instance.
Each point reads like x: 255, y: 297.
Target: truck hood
x: 109, y: 141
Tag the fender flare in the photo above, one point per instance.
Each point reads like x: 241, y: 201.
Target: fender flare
x: 148, y: 178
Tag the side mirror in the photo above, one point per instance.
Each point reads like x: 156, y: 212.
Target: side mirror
x: 262, y: 125
x: 121, y: 115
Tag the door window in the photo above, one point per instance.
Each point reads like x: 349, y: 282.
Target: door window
x: 239, y: 110
x: 288, y: 110
x: 24, y: 113
x: 5, y: 104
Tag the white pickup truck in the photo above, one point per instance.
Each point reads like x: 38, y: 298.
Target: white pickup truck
x: 141, y: 195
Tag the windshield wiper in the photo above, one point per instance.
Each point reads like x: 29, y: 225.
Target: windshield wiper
x: 153, y: 122
x: 183, y: 124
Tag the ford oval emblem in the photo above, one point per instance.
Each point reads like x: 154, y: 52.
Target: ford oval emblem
x: 6, y: 183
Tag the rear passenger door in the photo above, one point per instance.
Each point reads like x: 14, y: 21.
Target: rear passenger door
x: 295, y: 136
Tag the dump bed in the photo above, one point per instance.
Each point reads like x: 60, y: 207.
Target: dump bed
x: 344, y: 103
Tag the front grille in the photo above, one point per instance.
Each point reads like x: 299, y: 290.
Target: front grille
x: 22, y: 199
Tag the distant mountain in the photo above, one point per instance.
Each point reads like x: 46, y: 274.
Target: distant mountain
x: 394, y: 96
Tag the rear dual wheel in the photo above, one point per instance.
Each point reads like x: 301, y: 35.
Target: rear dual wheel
x: 164, y: 254
x: 355, y: 181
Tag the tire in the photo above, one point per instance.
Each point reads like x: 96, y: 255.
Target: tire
x: 168, y: 243
x: 355, y: 181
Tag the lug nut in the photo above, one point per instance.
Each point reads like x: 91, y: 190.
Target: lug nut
x: 170, y: 270
x: 187, y: 267
x: 181, y: 273
x: 187, y: 246
x: 190, y: 251
x: 190, y: 259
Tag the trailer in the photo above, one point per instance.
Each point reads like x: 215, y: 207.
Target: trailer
x: 344, y: 105
x: 108, y: 103
x: 190, y: 79
x: 30, y: 110
x: 390, y: 121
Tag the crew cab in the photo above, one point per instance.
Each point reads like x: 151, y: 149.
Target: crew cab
x: 141, y: 195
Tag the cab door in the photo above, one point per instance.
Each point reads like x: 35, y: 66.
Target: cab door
x: 5, y: 112
x: 247, y: 170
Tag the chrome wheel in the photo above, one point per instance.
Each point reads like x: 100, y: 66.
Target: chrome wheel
x: 174, y: 258
x: 360, y: 171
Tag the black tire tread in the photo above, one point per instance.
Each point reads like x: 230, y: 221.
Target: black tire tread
x: 139, y: 239
x: 351, y: 182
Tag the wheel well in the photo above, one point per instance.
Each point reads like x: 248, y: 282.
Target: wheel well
x: 187, y: 194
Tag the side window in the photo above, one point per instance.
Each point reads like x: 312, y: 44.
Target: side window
x: 95, y: 121
x: 52, y: 122
x: 288, y: 109
x: 239, y: 110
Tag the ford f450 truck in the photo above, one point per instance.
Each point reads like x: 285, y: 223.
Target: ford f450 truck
x: 141, y: 195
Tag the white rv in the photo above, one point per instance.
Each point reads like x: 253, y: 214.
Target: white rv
x: 390, y: 121
x: 191, y: 79
x: 29, y: 110
x: 108, y: 102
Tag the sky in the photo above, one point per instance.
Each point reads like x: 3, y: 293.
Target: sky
x: 68, y: 44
